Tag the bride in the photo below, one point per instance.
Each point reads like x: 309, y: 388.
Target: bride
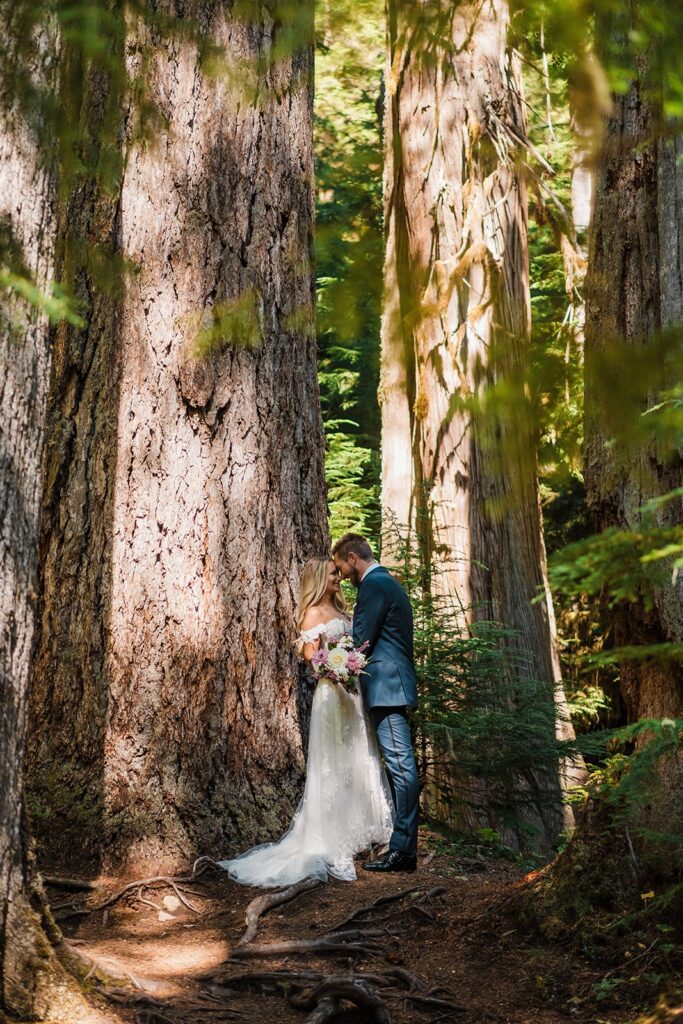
x: 346, y: 804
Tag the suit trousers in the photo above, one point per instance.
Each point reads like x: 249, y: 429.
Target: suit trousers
x: 395, y: 744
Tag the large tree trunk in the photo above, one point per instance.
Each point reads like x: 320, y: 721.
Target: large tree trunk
x: 32, y: 983
x: 457, y: 320
x: 634, y: 291
x: 184, y: 490
x: 26, y: 199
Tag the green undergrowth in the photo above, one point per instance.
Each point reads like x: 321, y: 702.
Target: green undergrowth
x: 613, y: 896
x: 590, y: 905
x: 466, y: 853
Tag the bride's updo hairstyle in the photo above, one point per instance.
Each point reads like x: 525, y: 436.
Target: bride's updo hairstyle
x: 312, y: 590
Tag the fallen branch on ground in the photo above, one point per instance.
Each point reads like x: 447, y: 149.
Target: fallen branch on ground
x: 262, y: 904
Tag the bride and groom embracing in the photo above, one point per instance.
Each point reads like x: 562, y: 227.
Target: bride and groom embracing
x: 347, y: 806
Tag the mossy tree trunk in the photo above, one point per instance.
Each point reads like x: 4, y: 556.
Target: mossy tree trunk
x: 184, y: 478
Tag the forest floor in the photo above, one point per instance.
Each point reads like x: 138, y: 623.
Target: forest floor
x: 449, y: 950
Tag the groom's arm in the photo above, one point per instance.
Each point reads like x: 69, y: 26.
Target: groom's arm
x: 369, y: 615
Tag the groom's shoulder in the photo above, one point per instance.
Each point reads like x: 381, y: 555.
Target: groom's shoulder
x: 383, y: 577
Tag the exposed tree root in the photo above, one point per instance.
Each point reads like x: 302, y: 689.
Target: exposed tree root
x: 63, y: 911
x: 262, y: 904
x: 263, y: 980
x: 202, y: 865
x: 152, y: 1017
x: 384, y: 900
x: 142, y: 883
x: 326, y: 1010
x: 153, y: 1011
x: 321, y: 994
x: 147, y: 902
x: 66, y: 914
x: 104, y: 971
x: 271, y: 981
x: 438, y: 890
x: 325, y: 944
x: 400, y: 974
x: 356, y: 934
x: 328, y: 992
x: 75, y: 884
x: 325, y: 999
x: 430, y: 1001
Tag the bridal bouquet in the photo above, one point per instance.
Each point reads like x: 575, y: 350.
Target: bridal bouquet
x: 340, y: 662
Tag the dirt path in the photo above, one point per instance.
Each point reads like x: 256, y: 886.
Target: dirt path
x: 176, y: 963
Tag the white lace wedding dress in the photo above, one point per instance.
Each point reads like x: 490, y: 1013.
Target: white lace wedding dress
x: 346, y: 804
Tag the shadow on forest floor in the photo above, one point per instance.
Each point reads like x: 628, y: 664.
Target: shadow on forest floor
x: 454, y: 940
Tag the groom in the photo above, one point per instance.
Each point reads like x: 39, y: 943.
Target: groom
x: 383, y: 619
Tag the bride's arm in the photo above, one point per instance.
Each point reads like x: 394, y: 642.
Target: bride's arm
x: 312, y: 619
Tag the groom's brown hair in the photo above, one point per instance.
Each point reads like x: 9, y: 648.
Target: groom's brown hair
x: 353, y: 542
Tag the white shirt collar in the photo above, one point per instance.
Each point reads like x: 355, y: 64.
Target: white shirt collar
x: 375, y: 565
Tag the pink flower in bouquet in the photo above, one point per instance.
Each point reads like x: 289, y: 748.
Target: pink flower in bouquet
x: 320, y: 657
x: 355, y: 662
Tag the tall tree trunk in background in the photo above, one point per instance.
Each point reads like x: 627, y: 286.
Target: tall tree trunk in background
x: 456, y: 318
x: 183, y: 491
x: 634, y: 291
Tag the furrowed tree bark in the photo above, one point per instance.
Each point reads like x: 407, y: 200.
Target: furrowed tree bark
x: 184, y: 490
x: 26, y: 200
x: 456, y: 323
x: 634, y: 294
x: 33, y: 984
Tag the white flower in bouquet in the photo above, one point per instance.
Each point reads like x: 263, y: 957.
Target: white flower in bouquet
x: 337, y: 660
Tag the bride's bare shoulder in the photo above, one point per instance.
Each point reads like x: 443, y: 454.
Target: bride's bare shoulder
x: 313, y: 616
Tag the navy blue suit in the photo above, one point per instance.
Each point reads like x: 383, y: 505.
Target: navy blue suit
x: 383, y: 619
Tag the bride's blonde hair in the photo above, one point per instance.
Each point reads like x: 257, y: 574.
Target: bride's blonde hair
x: 312, y: 590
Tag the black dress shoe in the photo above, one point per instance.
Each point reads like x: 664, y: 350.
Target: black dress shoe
x: 395, y: 860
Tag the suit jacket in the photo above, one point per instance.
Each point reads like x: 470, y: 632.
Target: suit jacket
x: 384, y: 618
